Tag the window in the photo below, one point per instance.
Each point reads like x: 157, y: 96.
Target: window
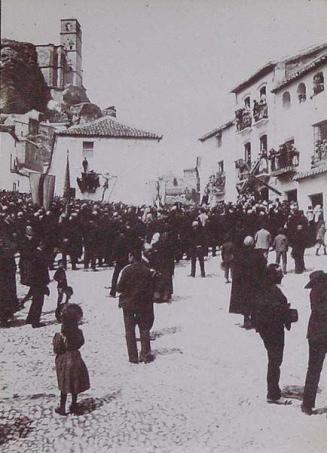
x: 320, y: 143
x: 286, y: 100
x: 175, y: 183
x: 263, y: 93
x: 320, y: 131
x: 221, y: 166
x: 88, y: 150
x: 291, y: 195
x: 301, y: 92
x: 318, y: 83
x: 247, y: 102
x: 263, y: 143
x: 247, y: 153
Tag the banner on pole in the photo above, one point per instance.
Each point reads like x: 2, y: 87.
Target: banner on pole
x: 35, y: 179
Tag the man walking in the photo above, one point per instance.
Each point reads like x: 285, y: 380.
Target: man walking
x: 136, y: 300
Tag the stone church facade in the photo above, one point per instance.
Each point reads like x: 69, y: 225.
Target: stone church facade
x: 61, y: 65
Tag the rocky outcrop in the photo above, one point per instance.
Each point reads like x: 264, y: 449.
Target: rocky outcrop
x: 23, y: 87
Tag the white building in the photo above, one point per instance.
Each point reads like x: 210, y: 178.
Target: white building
x: 280, y: 123
x: 12, y: 176
x: 121, y: 160
x: 301, y: 119
x: 217, y: 170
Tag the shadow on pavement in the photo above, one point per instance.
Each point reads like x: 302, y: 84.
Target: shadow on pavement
x: 89, y: 405
x: 166, y: 331
x: 167, y: 351
x: 294, y: 392
x: 18, y: 428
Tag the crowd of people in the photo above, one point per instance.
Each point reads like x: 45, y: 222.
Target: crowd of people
x: 144, y: 244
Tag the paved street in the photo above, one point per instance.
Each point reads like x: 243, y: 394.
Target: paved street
x: 205, y: 392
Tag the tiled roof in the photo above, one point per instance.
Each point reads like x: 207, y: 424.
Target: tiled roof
x: 312, y: 172
x: 216, y: 131
x: 271, y: 65
x: 107, y: 126
x: 259, y: 73
x: 307, y: 68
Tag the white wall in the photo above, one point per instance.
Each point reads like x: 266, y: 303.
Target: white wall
x: 297, y: 122
x: 262, y: 127
x: 212, y: 154
x: 134, y: 162
x: 9, y: 180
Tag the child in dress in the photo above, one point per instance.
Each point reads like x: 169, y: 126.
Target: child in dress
x: 71, y: 370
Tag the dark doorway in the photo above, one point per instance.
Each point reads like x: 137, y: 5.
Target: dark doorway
x: 317, y: 198
x: 291, y: 195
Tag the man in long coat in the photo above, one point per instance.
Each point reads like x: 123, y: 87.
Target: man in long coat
x: 39, y: 279
x: 248, y: 272
x: 8, y: 294
x: 317, y: 338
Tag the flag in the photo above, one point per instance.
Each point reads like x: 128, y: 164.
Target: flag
x: 67, y: 180
x: 48, y: 190
x: 35, y: 179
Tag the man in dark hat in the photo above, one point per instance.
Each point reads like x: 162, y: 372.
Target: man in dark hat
x: 317, y: 338
x: 136, y: 300
x: 270, y: 318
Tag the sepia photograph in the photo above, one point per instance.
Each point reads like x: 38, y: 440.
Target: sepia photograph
x: 163, y: 208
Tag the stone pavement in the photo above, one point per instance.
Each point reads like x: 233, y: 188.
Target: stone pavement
x: 205, y: 391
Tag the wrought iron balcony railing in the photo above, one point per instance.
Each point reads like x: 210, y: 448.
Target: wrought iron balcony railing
x: 320, y: 153
x: 243, y: 118
x: 260, y: 111
x: 285, y: 160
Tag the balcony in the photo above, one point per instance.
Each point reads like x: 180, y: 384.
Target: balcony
x: 243, y: 119
x: 260, y: 111
x: 285, y: 160
x: 320, y: 154
x: 216, y: 184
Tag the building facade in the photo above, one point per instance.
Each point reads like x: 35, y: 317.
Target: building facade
x: 107, y: 161
x: 279, y: 134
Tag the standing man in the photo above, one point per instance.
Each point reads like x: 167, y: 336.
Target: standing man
x: 249, y: 267
x: 136, y: 300
x: 197, y: 248
x: 39, y: 279
x: 270, y: 318
x: 280, y: 245
x: 317, y: 338
x: 120, y: 257
x: 263, y: 241
x: 299, y: 241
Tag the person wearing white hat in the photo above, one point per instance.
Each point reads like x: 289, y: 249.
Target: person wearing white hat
x: 197, y: 248
x: 249, y: 267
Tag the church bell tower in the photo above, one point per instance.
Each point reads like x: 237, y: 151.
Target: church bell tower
x: 71, y: 40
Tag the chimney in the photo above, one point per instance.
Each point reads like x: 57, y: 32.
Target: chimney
x: 110, y: 111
